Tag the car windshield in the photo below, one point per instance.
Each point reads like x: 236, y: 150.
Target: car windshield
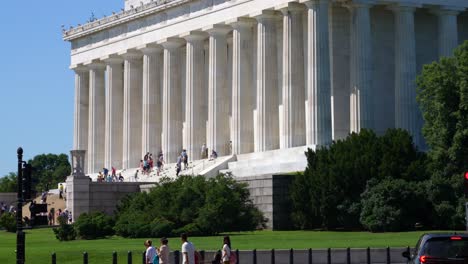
x: 446, y: 248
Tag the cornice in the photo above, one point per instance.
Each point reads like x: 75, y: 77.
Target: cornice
x: 121, y: 18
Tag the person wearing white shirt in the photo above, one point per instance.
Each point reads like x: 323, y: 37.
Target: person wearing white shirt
x: 163, y: 251
x: 150, y: 252
x: 226, y: 250
x: 188, y: 250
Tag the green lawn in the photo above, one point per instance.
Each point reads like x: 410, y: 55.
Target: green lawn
x: 41, y: 243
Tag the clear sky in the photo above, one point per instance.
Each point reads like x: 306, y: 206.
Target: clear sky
x: 36, y: 84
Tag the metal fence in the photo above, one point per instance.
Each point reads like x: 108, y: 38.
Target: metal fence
x: 251, y: 257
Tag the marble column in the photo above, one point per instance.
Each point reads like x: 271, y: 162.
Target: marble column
x: 132, y: 121
x: 447, y: 30
x: 114, y: 112
x: 80, y: 132
x: 319, y: 123
x: 361, y: 67
x: 172, y: 100
x: 242, y: 79
x: 80, y: 137
x: 293, y: 91
x: 405, y: 71
x: 152, y: 108
x: 218, y: 96
x: 267, y: 126
x: 195, y: 127
x: 96, y: 125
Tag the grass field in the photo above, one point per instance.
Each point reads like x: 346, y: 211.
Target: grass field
x: 41, y: 243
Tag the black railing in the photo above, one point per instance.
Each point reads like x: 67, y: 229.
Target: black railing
x: 274, y: 255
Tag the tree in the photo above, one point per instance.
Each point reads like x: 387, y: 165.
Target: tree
x: 49, y: 170
x: 9, y: 183
x: 393, y: 205
x: 443, y: 99
x: 328, y: 195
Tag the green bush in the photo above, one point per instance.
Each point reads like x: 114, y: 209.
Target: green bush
x: 64, y: 232
x: 328, y: 194
x: 194, y: 205
x: 94, y: 225
x: 8, y: 221
x: 161, y: 228
x: 393, y: 205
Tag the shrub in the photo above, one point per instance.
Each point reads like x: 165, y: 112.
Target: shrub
x: 94, y: 225
x: 328, y: 194
x: 194, y: 205
x: 393, y: 205
x: 64, y: 232
x: 161, y: 227
x: 8, y: 221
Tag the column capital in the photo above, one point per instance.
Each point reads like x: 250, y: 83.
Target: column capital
x: 171, y: 43
x: 312, y: 3
x: 80, y: 68
x: 194, y: 36
x: 95, y: 65
x: 291, y: 7
x: 112, y: 59
x: 355, y: 4
x: 150, y: 49
x: 241, y: 22
x: 131, y: 55
x: 447, y: 10
x: 217, y: 29
x: 265, y: 15
x: 404, y: 7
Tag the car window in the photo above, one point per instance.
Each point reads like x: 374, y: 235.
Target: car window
x: 416, y: 249
x: 445, y: 248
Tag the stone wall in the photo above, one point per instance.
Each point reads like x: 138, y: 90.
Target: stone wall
x: 104, y: 196
x: 270, y: 194
x: 8, y: 198
x: 85, y: 196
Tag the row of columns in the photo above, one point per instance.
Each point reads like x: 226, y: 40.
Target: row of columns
x: 144, y: 113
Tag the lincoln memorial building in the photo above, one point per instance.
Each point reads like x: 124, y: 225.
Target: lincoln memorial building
x: 258, y: 81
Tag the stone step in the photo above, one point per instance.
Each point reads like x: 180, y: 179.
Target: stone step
x: 285, y: 167
x: 269, y: 158
x: 272, y: 154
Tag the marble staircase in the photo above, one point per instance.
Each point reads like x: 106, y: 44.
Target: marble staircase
x: 269, y: 162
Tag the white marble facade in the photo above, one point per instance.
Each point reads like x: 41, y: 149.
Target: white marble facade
x: 247, y: 76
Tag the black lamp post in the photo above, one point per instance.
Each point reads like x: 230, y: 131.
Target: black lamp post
x: 20, y: 236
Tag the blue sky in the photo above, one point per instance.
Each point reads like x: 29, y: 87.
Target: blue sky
x: 36, y: 85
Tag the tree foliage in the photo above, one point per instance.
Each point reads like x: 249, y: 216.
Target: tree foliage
x: 8, y: 221
x: 8, y: 183
x: 49, y: 170
x: 65, y: 231
x: 393, y: 205
x: 94, y: 225
x: 194, y: 205
x: 443, y: 99
x: 328, y: 194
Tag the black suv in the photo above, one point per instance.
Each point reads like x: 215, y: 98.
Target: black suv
x: 439, y: 248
